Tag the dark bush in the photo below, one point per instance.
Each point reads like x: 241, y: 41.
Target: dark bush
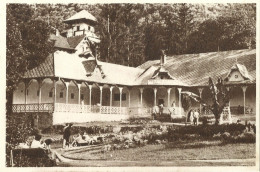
x: 204, y: 131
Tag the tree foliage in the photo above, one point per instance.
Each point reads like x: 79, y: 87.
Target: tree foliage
x: 134, y: 33
x: 27, y: 44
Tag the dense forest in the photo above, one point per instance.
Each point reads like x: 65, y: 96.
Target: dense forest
x: 133, y: 33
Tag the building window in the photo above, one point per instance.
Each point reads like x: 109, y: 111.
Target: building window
x: 50, y: 94
x: 89, y: 27
x: 72, y: 96
x: 236, y: 76
x: 38, y: 92
x: 81, y: 96
x: 78, y: 27
x: 117, y: 97
x: 61, y: 94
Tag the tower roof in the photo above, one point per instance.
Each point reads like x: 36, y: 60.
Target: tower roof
x: 82, y: 15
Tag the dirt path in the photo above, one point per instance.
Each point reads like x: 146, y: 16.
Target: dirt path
x: 223, y: 162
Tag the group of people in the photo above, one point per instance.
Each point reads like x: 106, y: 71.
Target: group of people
x: 194, y: 116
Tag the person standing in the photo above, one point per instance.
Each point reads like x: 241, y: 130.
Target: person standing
x: 66, y: 135
x: 196, y: 117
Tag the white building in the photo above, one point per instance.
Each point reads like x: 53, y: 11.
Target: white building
x: 67, y: 87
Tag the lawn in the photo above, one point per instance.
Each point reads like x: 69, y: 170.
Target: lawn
x: 170, y: 152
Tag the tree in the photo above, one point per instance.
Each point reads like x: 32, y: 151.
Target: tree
x: 220, y: 97
x: 27, y: 45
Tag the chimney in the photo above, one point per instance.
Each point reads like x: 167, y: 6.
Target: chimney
x: 57, y: 32
x: 163, y: 58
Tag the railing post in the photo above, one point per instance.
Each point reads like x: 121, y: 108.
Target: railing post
x: 90, y: 91
x: 111, y: 94
x: 25, y: 93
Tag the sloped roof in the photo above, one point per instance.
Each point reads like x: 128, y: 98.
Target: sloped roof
x: 195, y: 69
x: 81, y: 15
x: 187, y: 70
x: 75, y: 40
x: 60, y: 42
x: 45, y: 69
x: 71, y: 66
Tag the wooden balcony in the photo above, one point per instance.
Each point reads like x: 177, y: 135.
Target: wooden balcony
x: 71, y: 108
x: 44, y: 107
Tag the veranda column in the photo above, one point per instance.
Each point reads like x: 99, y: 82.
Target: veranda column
x: 54, y: 93
x: 141, y: 96
x: 169, y: 96
x: 25, y: 92
x: 179, y: 90
x: 101, y: 90
x: 200, y: 91
x: 229, y: 112
x: 40, y: 83
x: 90, y: 91
x: 67, y: 91
x: 129, y: 97
x: 120, y: 90
x: 244, y: 94
x: 228, y: 89
x: 79, y: 86
x: 111, y: 97
x: 155, y: 92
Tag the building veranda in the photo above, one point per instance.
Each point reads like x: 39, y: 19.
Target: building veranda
x: 71, y: 85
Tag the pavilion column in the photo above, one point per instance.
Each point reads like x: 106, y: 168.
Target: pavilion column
x: 101, y: 90
x: 129, y: 97
x: 244, y: 94
x: 111, y: 97
x: 228, y: 89
x: 120, y: 90
x: 229, y: 113
x: 54, y: 91
x: 200, y: 91
x: 155, y: 92
x: 169, y: 96
x: 40, y: 83
x: 79, y: 86
x: 25, y: 92
x: 90, y: 91
x: 179, y: 90
x: 67, y: 92
x: 141, y: 96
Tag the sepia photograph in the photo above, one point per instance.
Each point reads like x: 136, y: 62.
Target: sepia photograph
x: 131, y: 85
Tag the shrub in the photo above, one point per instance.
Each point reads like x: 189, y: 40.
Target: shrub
x: 204, y: 131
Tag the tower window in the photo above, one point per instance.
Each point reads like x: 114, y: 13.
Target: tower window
x: 78, y: 27
x: 89, y: 27
x: 236, y: 76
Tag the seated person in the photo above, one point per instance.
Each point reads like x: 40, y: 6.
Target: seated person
x: 36, y: 143
x: 48, y: 143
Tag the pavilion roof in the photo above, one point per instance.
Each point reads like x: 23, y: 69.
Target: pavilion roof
x: 186, y: 70
x: 85, y: 15
x: 195, y: 69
